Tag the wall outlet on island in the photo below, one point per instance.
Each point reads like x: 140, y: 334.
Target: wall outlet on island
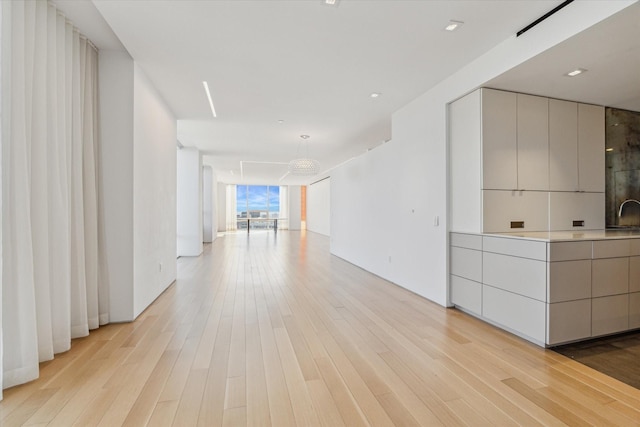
x: 436, y: 221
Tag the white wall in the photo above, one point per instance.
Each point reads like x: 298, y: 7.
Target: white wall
x: 189, y: 193
x: 384, y: 203
x: 294, y: 208
x: 207, y: 205
x: 154, y: 193
x: 115, y: 180
x: 137, y: 187
x: 318, y: 207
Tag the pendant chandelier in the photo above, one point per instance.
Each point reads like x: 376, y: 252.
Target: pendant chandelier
x: 304, y: 166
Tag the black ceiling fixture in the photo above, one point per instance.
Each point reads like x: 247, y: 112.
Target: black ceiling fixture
x: 543, y: 17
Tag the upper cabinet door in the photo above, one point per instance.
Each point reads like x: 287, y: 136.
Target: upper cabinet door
x: 563, y: 145
x: 499, y: 147
x: 533, y: 142
x: 591, y: 163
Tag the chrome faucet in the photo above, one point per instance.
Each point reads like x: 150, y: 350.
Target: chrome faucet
x: 623, y: 203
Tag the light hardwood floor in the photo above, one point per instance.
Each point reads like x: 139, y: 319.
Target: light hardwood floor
x: 269, y: 330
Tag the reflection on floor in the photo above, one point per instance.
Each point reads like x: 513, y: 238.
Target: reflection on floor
x: 617, y: 356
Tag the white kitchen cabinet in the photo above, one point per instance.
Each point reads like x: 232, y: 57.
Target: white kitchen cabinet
x: 465, y: 148
x: 523, y: 276
x: 610, y: 276
x: 576, y: 211
x: 521, y: 248
x: 499, y: 146
x: 576, y: 147
x: 511, y: 152
x: 504, y: 211
x: 569, y: 280
x: 469, y: 241
x: 634, y: 274
x: 569, y: 251
x: 609, y: 314
x: 568, y: 321
x: 634, y: 310
x: 521, y: 315
x: 591, y: 141
x: 533, y: 142
x: 466, y: 272
x: 563, y: 145
x: 515, y: 141
x: 466, y: 263
x: 551, y: 290
x: 614, y: 248
x: 466, y: 294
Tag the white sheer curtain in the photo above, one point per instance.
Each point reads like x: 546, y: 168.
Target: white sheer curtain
x: 49, y: 143
x: 283, y: 215
x: 232, y: 223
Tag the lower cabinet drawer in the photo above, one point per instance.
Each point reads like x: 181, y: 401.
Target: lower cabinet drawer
x: 523, y: 316
x: 569, y: 280
x: 467, y: 294
x: 634, y: 310
x: 568, y: 321
x: 521, y: 276
x: 466, y: 263
x: 609, y: 314
x: 610, y: 276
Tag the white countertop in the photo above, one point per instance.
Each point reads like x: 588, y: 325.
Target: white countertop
x: 564, y: 236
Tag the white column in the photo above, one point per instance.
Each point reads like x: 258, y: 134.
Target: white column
x: 189, y: 197
x: 207, y: 204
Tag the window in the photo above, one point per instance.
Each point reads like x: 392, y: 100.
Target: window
x: 257, y: 202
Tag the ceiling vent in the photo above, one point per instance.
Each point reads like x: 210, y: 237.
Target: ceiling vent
x: 543, y: 17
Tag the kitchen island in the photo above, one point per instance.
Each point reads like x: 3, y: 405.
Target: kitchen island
x: 552, y: 287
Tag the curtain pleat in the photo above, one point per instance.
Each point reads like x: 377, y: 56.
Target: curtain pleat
x: 283, y: 214
x: 39, y: 178
x: 90, y: 188
x: 20, y: 342
x: 232, y: 223
x: 58, y: 194
x: 50, y: 241
x: 78, y: 278
x: 3, y: 104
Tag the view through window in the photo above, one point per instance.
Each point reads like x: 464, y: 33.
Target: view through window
x: 257, y: 206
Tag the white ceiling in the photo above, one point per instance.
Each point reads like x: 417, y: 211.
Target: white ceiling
x: 314, y: 66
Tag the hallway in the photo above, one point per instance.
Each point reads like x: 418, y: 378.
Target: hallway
x: 267, y: 329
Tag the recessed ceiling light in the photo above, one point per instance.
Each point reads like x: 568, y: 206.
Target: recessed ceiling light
x: 305, y: 136
x: 576, y: 72
x: 609, y: 149
x: 375, y: 95
x: 330, y: 2
x: 453, y: 25
x: 281, y: 121
x: 206, y: 89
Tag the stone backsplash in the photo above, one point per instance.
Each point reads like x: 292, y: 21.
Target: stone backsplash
x: 622, y: 176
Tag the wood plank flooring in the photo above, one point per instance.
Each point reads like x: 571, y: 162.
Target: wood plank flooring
x: 271, y: 330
